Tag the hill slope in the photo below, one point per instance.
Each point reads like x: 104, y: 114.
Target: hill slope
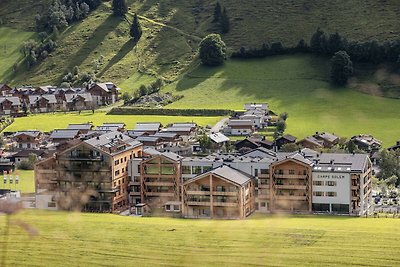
x: 172, y: 29
x: 296, y: 84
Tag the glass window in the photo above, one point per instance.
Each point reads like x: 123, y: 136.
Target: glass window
x: 186, y: 169
x: 331, y: 183
x: 318, y: 183
x: 331, y: 194
x: 318, y: 194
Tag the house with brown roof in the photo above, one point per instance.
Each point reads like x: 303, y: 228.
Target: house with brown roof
x: 239, y: 127
x: 311, y: 142
x: 5, y: 90
x: 28, y: 139
x: 42, y: 103
x: 10, y: 105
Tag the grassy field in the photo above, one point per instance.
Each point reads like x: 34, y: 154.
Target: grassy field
x: 296, y: 84
x: 26, y: 182
x: 11, y: 41
x: 48, y: 122
x: 112, y: 240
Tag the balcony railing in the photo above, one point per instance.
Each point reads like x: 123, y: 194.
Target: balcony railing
x: 225, y: 204
x: 289, y: 197
x: 288, y: 186
x: 198, y: 203
x: 160, y: 194
x: 156, y: 183
x: 290, y: 176
x: 220, y: 193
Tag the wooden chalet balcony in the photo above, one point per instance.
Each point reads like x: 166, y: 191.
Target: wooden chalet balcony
x: 266, y: 186
x: 134, y: 183
x: 288, y: 197
x: 198, y: 203
x: 152, y: 175
x: 290, y: 176
x: 156, y: 183
x: 134, y: 193
x: 225, y: 204
x: 219, y: 193
x: 160, y: 194
x: 262, y: 175
x: 197, y: 192
x: 85, y: 158
x: 288, y: 186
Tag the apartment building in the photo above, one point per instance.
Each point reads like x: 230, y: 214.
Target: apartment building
x: 90, y: 176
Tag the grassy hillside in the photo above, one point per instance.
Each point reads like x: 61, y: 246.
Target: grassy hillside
x: 11, y: 41
x: 112, y: 240
x: 295, y: 84
x: 48, y: 122
x: 172, y: 29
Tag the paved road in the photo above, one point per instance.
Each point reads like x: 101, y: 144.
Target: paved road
x: 218, y: 126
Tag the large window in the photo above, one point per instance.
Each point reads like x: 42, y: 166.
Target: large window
x: 196, y: 169
x: 331, y: 194
x: 318, y: 183
x: 186, y: 169
x: 167, y: 170
x: 331, y: 183
x: 318, y: 194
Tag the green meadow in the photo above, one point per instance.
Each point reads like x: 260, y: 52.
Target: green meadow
x: 112, y: 240
x: 49, y: 122
x: 297, y: 84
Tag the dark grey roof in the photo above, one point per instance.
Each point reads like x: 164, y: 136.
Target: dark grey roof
x: 35, y: 98
x: 166, y: 134
x: 135, y: 134
x: 148, y: 138
x: 69, y: 98
x: 184, y: 124
x: 64, y: 134
x: 80, y: 126
x: 30, y: 133
x: 147, y: 126
x: 172, y: 156
x: 313, y: 140
x: 231, y: 174
x: 340, y: 162
x: 26, y: 152
x: 108, y: 141
x: 288, y: 137
x: 327, y: 136
x: 114, y: 124
x: 13, y: 99
x: 179, y: 129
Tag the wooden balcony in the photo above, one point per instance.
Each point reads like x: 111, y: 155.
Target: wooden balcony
x: 198, y: 192
x: 265, y: 186
x: 288, y: 197
x: 198, y: 203
x: 159, y: 184
x: 290, y: 176
x: 288, y: 186
x: 134, y: 193
x: 225, y: 204
x: 218, y: 193
x: 159, y: 194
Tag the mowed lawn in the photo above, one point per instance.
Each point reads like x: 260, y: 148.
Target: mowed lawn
x: 113, y: 240
x: 26, y: 182
x: 11, y: 41
x: 297, y: 84
x: 49, y: 122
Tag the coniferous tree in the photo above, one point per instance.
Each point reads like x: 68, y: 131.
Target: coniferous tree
x: 217, y: 12
x: 224, y: 22
x: 318, y: 42
x: 341, y: 68
x: 136, y: 29
x: 119, y: 7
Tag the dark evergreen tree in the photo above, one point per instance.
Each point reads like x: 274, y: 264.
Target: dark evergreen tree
x: 335, y: 43
x: 119, y: 7
x: 341, y: 68
x: 225, y: 22
x: 217, y: 12
x: 318, y: 42
x: 212, y: 50
x: 136, y: 29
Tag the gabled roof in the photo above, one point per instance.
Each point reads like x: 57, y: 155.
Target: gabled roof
x: 184, y: 124
x: 218, y: 138
x: 35, y: 98
x: 282, y: 157
x: 312, y: 140
x: 148, y: 138
x: 227, y: 173
x: 80, y: 126
x: 236, y: 122
x: 172, y: 156
x: 166, y: 134
x: 64, y: 134
x: 178, y: 129
x: 288, y: 137
x: 70, y: 98
x: 113, y: 142
x: 13, y: 99
x: 26, y: 152
x: 327, y: 137
x: 107, y: 86
x: 147, y: 126
x: 29, y: 133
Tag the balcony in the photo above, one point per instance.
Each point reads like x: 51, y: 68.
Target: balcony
x: 134, y: 193
x: 225, y: 204
x: 157, y: 183
x: 288, y: 197
x: 198, y: 203
x: 160, y: 194
x: 288, y: 186
x: 197, y: 192
x: 266, y: 186
x: 290, y: 176
x: 220, y: 193
x: 84, y: 158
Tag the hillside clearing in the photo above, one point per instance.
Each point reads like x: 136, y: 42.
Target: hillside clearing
x: 49, y: 122
x: 105, y: 240
x: 296, y: 84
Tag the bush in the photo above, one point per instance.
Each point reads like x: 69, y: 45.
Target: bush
x: 25, y: 165
x: 212, y: 50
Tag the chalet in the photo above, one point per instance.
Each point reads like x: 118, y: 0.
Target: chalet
x: 256, y: 117
x: 5, y: 90
x: 42, y: 103
x: 28, y: 139
x: 246, y: 143
x: 135, y: 134
x: 150, y: 141
x: 311, y: 142
x: 328, y: 140
x: 148, y: 127
x: 83, y: 128
x: 223, y: 192
x: 25, y: 153
x: 286, y: 139
x: 96, y: 168
x: 366, y: 142
x: 104, y: 93
x: 240, y: 127
x: 81, y: 101
x: 10, y: 105
x: 170, y: 139
x: 218, y: 141
x: 63, y: 135
x: 184, y: 130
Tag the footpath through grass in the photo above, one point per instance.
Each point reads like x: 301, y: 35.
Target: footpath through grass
x: 48, y: 122
x: 297, y: 84
x: 112, y: 240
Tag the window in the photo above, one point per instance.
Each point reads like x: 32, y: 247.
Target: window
x: 279, y: 181
x: 318, y: 183
x: 331, y: 183
x: 186, y: 169
x: 264, y: 171
x: 291, y: 171
x: 263, y: 204
x: 206, y: 168
x: 196, y: 170
x: 51, y: 204
x: 256, y: 172
x: 116, y: 172
x: 220, y: 188
x: 318, y: 194
x: 177, y: 208
x: 331, y: 194
x: 168, y: 207
x: 116, y: 162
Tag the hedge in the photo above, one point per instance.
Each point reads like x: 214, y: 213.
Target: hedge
x: 170, y: 112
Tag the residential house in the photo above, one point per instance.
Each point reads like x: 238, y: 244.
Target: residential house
x: 311, y: 142
x: 366, y: 142
x: 239, y: 127
x: 119, y: 126
x: 63, y: 135
x: 104, y: 93
x: 150, y: 142
x: 222, y: 192
x: 5, y: 90
x: 218, y: 141
x: 328, y: 140
x: 42, y: 103
x: 10, y: 105
x: 28, y: 139
x: 79, y: 101
x: 83, y: 128
x: 148, y: 127
x: 25, y: 153
x: 286, y: 139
